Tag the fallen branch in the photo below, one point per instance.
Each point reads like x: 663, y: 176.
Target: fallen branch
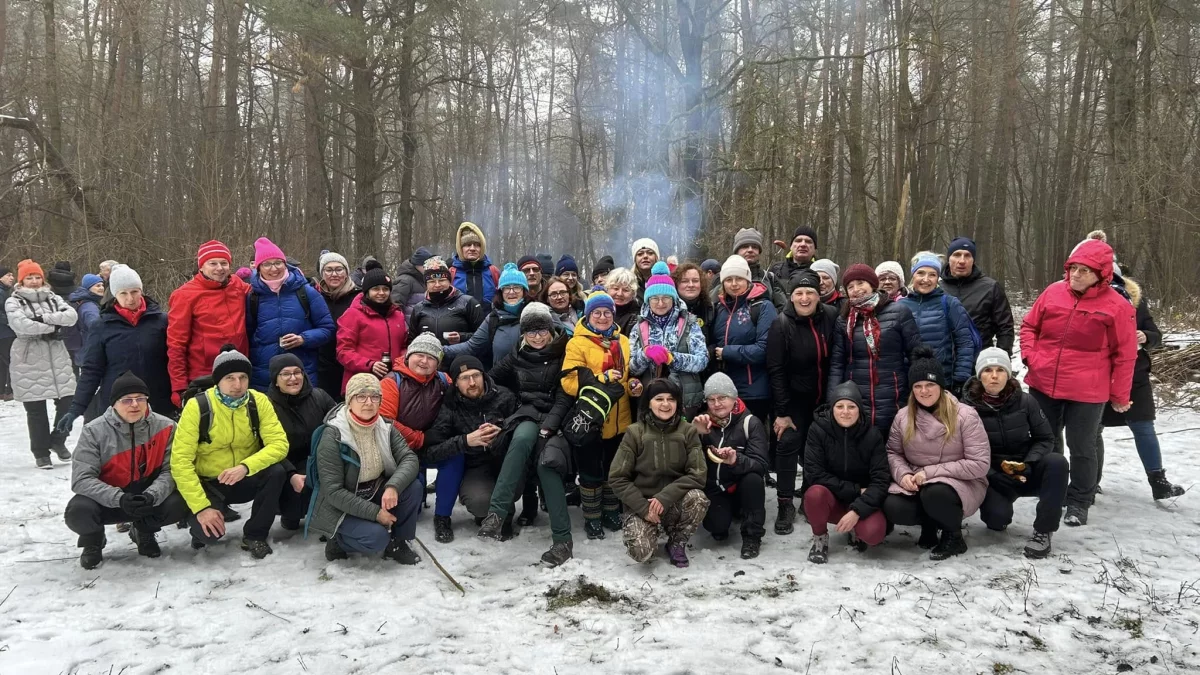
x: 15, y: 588
x: 439, y: 566
x: 255, y: 605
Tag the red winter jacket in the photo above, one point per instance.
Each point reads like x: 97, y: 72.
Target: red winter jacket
x: 202, y: 316
x: 1081, y: 347
x: 363, y: 336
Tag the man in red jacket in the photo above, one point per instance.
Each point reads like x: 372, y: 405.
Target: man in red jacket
x: 205, y: 313
x: 1079, y: 342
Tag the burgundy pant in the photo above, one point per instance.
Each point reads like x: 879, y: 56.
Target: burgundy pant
x: 823, y: 508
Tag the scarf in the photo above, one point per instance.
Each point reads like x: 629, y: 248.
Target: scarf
x: 439, y: 297
x: 363, y: 431
x: 514, y: 309
x: 346, y: 288
x: 131, y: 315
x: 999, y: 399
x: 738, y: 408
x: 661, y: 322
x: 276, y: 284
x: 381, y: 308
x: 233, y: 403
x: 865, y: 308
x: 607, y: 333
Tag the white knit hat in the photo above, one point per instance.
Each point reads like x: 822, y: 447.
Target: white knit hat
x: 893, y: 267
x: 123, y: 278
x: 645, y: 242
x: 735, y: 266
x: 828, y: 267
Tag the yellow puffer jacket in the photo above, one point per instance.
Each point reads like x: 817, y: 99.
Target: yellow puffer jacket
x: 582, y: 351
x: 232, y: 443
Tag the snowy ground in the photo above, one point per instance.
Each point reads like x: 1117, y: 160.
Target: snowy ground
x: 1123, y: 590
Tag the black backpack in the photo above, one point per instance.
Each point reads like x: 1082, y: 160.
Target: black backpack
x: 584, y: 424
x: 198, y: 389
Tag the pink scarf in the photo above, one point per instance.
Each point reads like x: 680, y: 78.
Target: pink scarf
x: 276, y: 284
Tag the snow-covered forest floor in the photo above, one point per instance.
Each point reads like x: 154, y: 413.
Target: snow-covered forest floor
x: 1122, y: 591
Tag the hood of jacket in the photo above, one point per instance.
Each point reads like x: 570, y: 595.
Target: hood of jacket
x: 757, y: 290
x: 1096, y: 255
x: 463, y: 229
x: 82, y: 294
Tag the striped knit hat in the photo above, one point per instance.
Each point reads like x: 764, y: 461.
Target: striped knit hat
x: 212, y: 249
x: 660, y: 282
x: 598, y: 299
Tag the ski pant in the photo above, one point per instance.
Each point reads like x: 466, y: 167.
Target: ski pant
x: 679, y: 521
x: 1048, y: 482
x: 1081, y: 422
x: 1145, y: 439
x: 748, y: 499
x: 936, y: 506
x: 822, y: 508
x: 41, y: 429
x: 790, y: 452
x: 262, y: 489
x: 449, y: 480
x: 356, y: 535
x: 87, y: 518
x: 5, y: 359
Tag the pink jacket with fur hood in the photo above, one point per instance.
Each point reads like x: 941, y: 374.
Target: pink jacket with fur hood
x: 960, y: 462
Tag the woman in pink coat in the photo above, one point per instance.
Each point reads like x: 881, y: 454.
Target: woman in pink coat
x: 371, y: 334
x: 939, y: 456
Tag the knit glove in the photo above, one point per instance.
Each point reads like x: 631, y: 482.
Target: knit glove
x: 659, y: 355
x: 177, y: 399
x: 135, y: 504
x: 65, y: 423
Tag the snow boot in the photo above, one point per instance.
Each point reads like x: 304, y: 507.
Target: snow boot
x: 490, y: 529
x: 58, y: 443
x: 1161, y: 487
x: 91, y: 557
x: 1038, y: 546
x: 750, y: 547
x: 785, y: 519
x: 593, y: 529
x: 147, y: 545
x: 333, y: 551
x: 559, y: 553
x: 678, y: 554
x: 443, y: 530
x: 1076, y: 516
x: 590, y: 503
x: 929, y: 537
x: 257, y: 548
x: 855, y: 543
x: 610, y: 508
x: 819, y: 552
x: 952, y: 544
x: 399, y: 551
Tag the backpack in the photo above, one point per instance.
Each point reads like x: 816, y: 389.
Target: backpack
x: 255, y: 299
x: 396, y: 377
x: 976, y: 338
x: 312, y: 477
x: 198, y: 389
x: 583, y: 426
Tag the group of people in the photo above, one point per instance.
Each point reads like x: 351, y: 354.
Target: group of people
x: 659, y: 398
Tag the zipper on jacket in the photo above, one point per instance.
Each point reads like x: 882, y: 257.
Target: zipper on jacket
x: 1062, y: 343
x: 133, y: 456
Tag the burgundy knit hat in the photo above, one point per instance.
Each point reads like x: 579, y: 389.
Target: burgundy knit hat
x: 861, y: 272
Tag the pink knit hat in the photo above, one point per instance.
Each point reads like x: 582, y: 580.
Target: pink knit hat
x: 264, y: 250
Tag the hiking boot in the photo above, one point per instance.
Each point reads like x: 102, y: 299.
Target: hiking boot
x: 1038, y: 546
x: 399, y: 551
x: 819, y: 551
x: 929, y: 537
x: 750, y: 547
x: 784, y: 521
x: 611, y: 520
x: 43, y: 463
x: 147, y: 544
x: 594, y: 529
x: 230, y: 515
x: 197, y: 544
x: 91, y: 557
x: 952, y: 544
x: 491, y: 527
x: 678, y: 554
x: 258, y: 548
x: 289, y: 524
x: 443, y: 530
x: 559, y: 553
x: 857, y: 544
x: 333, y: 551
x: 124, y: 527
x: 1076, y: 516
x: 1161, y: 487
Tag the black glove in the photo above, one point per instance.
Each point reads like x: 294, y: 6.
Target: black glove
x: 135, y: 504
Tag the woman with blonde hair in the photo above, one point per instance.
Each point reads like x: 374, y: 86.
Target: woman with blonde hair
x: 621, y: 284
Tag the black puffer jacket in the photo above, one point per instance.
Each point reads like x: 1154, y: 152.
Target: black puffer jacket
x: 626, y: 316
x: 798, y: 356
x: 456, y: 313
x: 1142, y: 393
x: 329, y: 370
x: 883, y: 383
x: 535, y: 376
x: 985, y: 300
x: 847, y: 460
x: 460, y: 416
x: 1017, y: 429
x: 300, y: 414
x: 752, y: 454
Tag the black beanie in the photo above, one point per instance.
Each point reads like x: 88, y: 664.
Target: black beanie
x: 125, y: 384
x: 805, y: 278
x: 281, y: 361
x: 376, y: 276
x: 807, y: 232
x: 603, y: 266
x: 4, y: 270
x: 925, y: 367
x: 463, y: 363
x: 663, y: 385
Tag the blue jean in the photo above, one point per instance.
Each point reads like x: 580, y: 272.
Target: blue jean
x: 356, y: 535
x: 1145, y: 439
x: 450, y: 474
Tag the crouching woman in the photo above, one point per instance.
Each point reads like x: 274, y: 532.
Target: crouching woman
x: 658, y: 474
x: 367, y: 494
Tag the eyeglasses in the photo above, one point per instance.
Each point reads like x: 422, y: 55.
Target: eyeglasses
x: 542, y: 333
x: 133, y: 400
x: 291, y: 374
x: 335, y: 270
x: 559, y: 294
x: 602, y: 314
x: 367, y: 398
x: 273, y: 264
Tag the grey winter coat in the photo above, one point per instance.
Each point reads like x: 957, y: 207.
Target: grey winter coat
x: 338, y: 478
x: 40, y: 368
x: 114, y: 457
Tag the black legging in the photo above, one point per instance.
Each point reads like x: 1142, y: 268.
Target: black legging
x: 790, y: 451
x: 935, y: 506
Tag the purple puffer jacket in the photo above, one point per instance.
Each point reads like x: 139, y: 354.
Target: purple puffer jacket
x: 960, y: 462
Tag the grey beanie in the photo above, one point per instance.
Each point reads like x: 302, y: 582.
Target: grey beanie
x: 425, y: 343
x: 536, y: 316
x: 828, y: 267
x: 993, y: 356
x: 331, y: 256
x: 229, y: 361
x: 747, y: 235
x: 719, y: 384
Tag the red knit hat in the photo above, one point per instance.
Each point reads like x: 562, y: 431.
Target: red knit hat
x: 212, y: 249
x: 861, y: 272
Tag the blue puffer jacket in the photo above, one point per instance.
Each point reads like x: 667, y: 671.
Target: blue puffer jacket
x: 281, y: 314
x: 494, y: 339
x: 114, y: 346
x: 945, y: 327
x: 883, y: 383
x: 744, y: 341
x: 87, y: 306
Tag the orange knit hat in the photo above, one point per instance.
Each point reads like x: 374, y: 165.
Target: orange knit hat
x: 27, y: 267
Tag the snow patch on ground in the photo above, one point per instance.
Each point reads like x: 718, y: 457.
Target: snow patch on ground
x: 1123, y: 590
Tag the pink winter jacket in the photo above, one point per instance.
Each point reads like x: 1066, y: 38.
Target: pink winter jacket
x: 960, y: 462
x: 363, y: 336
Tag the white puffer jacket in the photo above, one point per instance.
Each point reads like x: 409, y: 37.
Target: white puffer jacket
x: 40, y: 369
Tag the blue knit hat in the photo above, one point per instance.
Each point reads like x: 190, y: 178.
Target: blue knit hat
x: 90, y: 280
x: 511, y: 276
x: 928, y: 261
x: 566, y: 264
x: 660, y: 282
x: 961, y: 244
x: 598, y: 300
